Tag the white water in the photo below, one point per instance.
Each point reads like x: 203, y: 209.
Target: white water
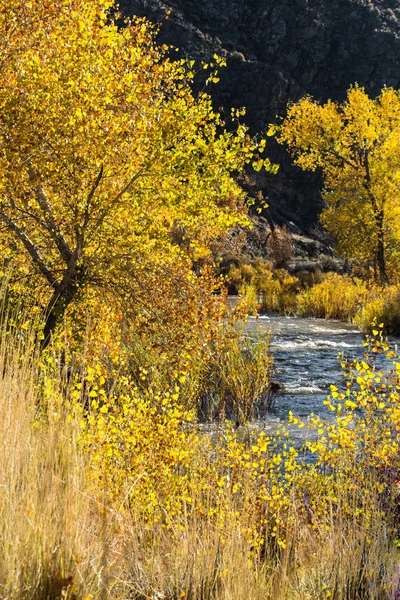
x: 306, y: 361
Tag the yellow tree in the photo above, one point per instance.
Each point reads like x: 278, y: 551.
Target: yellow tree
x: 104, y: 152
x: 357, y: 146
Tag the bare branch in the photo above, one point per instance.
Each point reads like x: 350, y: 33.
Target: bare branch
x: 342, y: 158
x: 53, y: 228
x: 80, y: 234
x: 31, y: 249
x: 95, y: 186
x: 117, y: 198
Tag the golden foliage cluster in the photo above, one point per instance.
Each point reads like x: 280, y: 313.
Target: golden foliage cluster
x: 351, y: 299
x: 153, y: 466
x: 356, y: 144
x: 263, y: 287
x: 336, y: 297
x: 155, y: 459
x: 118, y: 490
x: 105, y: 153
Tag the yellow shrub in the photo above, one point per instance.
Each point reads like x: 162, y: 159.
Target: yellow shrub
x: 234, y: 277
x: 142, y: 447
x: 247, y: 272
x: 382, y: 306
x: 250, y: 297
x: 154, y: 459
x: 263, y: 287
x: 186, y: 512
x: 278, y: 291
x: 149, y: 456
x: 337, y: 297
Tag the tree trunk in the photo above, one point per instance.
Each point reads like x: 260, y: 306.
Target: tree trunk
x: 62, y: 297
x: 380, y: 251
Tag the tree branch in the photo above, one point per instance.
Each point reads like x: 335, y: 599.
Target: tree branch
x: 117, y: 197
x: 80, y: 234
x: 31, y: 249
x: 52, y: 226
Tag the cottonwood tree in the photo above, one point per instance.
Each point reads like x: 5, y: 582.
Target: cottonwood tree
x: 103, y: 151
x: 357, y: 146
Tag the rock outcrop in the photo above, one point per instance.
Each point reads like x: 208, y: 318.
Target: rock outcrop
x: 276, y: 53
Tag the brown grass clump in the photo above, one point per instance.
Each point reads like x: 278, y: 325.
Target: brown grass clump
x: 53, y: 539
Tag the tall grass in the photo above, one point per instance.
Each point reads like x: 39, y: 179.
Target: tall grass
x: 200, y: 562
x: 60, y: 539
x: 236, y: 381
x: 383, y: 306
x: 353, y: 300
x: 336, y: 297
x: 196, y: 561
x: 52, y: 536
x: 326, y: 296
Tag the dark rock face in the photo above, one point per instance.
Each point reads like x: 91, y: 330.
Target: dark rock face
x: 277, y: 51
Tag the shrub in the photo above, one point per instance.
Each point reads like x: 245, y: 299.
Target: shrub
x: 277, y: 291
x: 250, y: 297
x: 119, y: 492
x: 280, y: 247
x: 237, y: 381
x: 382, y: 306
x: 336, y: 297
x: 264, y: 288
x: 177, y: 481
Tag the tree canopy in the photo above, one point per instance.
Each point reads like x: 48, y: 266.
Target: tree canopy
x: 357, y: 146
x: 104, y: 152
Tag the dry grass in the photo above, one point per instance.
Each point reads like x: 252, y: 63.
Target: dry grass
x: 58, y: 541
x: 199, y: 562
x: 336, y: 297
x: 332, y: 296
x: 52, y: 538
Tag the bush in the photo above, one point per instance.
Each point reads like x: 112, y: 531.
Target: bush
x: 237, y: 381
x: 280, y: 247
x: 264, y: 288
x: 350, y: 299
x: 336, y: 297
x: 180, y: 484
x: 277, y: 291
x: 382, y: 306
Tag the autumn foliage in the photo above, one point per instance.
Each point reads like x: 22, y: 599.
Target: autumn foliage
x: 115, y: 337
x: 121, y: 492
x: 104, y: 152
x: 356, y: 144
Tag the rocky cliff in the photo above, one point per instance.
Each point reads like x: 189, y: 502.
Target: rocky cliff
x: 277, y: 51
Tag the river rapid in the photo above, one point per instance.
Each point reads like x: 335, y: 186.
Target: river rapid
x: 305, y: 361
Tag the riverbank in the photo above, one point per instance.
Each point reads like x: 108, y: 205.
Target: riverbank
x: 290, y: 273
x: 325, y: 296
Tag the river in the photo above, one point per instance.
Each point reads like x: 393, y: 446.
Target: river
x: 305, y: 356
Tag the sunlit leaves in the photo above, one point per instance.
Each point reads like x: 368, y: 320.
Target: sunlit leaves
x: 104, y: 151
x: 356, y: 144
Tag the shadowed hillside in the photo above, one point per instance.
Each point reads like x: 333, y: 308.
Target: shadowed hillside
x: 278, y: 52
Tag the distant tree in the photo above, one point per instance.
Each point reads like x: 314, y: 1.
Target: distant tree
x: 357, y: 146
x: 104, y: 150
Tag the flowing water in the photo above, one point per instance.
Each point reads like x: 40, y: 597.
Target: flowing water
x: 305, y: 355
